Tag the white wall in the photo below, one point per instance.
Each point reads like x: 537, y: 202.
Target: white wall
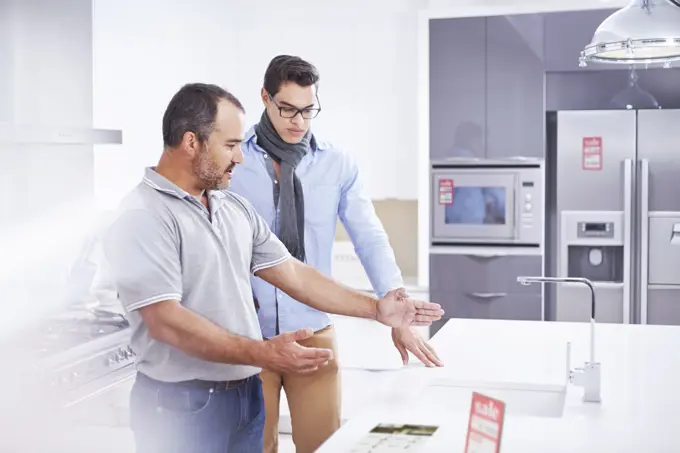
x: 365, y: 51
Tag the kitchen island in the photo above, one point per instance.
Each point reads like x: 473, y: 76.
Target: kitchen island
x: 640, y: 388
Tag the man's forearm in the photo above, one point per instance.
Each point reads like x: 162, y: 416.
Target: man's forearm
x: 311, y: 287
x: 191, y: 333
x: 327, y: 295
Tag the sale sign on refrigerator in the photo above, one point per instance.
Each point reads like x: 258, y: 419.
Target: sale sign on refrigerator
x: 592, y: 153
x: 485, y: 426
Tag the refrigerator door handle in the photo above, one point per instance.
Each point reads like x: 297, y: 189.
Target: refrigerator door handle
x: 627, y: 236
x: 644, y: 238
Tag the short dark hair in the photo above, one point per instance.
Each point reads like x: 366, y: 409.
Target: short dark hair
x: 193, y: 109
x: 287, y: 68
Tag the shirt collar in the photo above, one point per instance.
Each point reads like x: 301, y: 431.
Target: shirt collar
x: 251, y: 136
x: 162, y: 184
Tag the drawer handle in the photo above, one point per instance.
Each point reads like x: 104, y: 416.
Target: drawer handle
x: 488, y: 295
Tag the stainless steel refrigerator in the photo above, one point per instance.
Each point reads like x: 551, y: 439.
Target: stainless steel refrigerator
x: 617, y: 194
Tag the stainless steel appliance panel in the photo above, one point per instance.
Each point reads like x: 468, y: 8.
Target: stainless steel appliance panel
x: 664, y: 251
x: 640, y: 166
x: 658, y: 289
x: 659, y: 146
x: 596, y: 151
x: 663, y: 306
x: 580, y: 189
x: 574, y: 304
x: 593, y: 246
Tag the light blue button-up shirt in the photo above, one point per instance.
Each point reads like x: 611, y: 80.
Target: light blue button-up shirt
x: 332, y: 187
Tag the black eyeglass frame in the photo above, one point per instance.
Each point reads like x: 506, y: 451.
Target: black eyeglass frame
x: 315, y: 111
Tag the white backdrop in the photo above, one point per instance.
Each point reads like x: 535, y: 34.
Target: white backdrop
x: 365, y: 51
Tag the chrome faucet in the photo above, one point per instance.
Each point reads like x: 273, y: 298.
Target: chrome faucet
x: 587, y: 376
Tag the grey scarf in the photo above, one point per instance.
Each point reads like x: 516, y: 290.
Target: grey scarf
x: 291, y: 199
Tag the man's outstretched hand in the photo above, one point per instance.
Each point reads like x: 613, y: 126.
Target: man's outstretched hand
x: 283, y: 354
x: 406, y: 340
x: 397, y: 309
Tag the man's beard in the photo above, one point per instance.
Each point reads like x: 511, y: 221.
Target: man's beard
x: 208, y: 173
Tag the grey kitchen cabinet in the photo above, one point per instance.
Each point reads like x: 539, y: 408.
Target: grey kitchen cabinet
x: 485, y: 287
x: 522, y: 307
x: 566, y: 34
x: 515, y: 112
x: 457, y: 87
x: 487, y: 87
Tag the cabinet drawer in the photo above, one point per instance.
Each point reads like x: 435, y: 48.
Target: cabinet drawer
x: 663, y: 306
x: 475, y: 274
x: 521, y: 307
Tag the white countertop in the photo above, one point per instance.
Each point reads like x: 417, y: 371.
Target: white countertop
x: 640, y: 387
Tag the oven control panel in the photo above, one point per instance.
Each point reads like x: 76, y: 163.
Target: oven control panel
x: 123, y: 355
x: 87, y: 369
x: 530, y: 207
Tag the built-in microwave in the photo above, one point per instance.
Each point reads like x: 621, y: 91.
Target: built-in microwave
x: 486, y: 202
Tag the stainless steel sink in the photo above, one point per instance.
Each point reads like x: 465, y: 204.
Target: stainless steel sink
x: 521, y: 399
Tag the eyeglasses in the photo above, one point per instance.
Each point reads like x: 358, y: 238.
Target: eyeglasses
x: 291, y: 112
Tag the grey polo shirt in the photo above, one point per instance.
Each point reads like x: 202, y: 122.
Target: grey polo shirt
x: 165, y: 245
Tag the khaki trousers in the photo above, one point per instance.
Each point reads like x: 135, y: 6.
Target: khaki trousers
x: 313, y: 399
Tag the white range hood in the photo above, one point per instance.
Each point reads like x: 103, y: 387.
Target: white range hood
x: 46, y: 76
x: 11, y: 133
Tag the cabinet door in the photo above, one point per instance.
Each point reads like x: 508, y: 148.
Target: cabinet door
x: 519, y: 307
x: 457, y: 87
x: 469, y: 286
x: 663, y: 306
x: 566, y: 34
x: 515, y: 86
x: 481, y: 274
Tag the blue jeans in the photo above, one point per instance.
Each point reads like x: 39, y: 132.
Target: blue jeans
x: 185, y: 418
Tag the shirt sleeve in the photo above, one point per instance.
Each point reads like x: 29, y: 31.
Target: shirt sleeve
x: 142, y: 253
x: 268, y: 250
x: 367, y: 233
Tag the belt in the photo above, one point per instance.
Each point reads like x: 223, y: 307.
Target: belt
x: 214, y: 385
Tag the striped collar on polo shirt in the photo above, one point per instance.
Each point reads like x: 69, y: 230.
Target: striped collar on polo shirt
x: 162, y: 184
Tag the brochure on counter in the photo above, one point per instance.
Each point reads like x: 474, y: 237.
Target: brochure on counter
x: 484, y: 432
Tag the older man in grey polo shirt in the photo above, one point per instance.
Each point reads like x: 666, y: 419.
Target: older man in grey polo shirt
x: 181, y: 252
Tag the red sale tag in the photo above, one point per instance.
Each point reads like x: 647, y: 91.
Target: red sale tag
x: 592, y: 153
x: 485, y: 426
x: 446, y: 191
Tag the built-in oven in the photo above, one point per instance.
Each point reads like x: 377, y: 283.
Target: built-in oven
x: 487, y: 202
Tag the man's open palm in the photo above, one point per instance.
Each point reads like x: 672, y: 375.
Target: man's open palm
x: 397, y: 309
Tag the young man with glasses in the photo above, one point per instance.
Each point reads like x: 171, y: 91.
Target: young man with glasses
x: 300, y: 185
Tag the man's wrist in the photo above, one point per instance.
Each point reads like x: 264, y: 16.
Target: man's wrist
x: 255, y: 352
x: 368, y: 308
x: 374, y: 305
